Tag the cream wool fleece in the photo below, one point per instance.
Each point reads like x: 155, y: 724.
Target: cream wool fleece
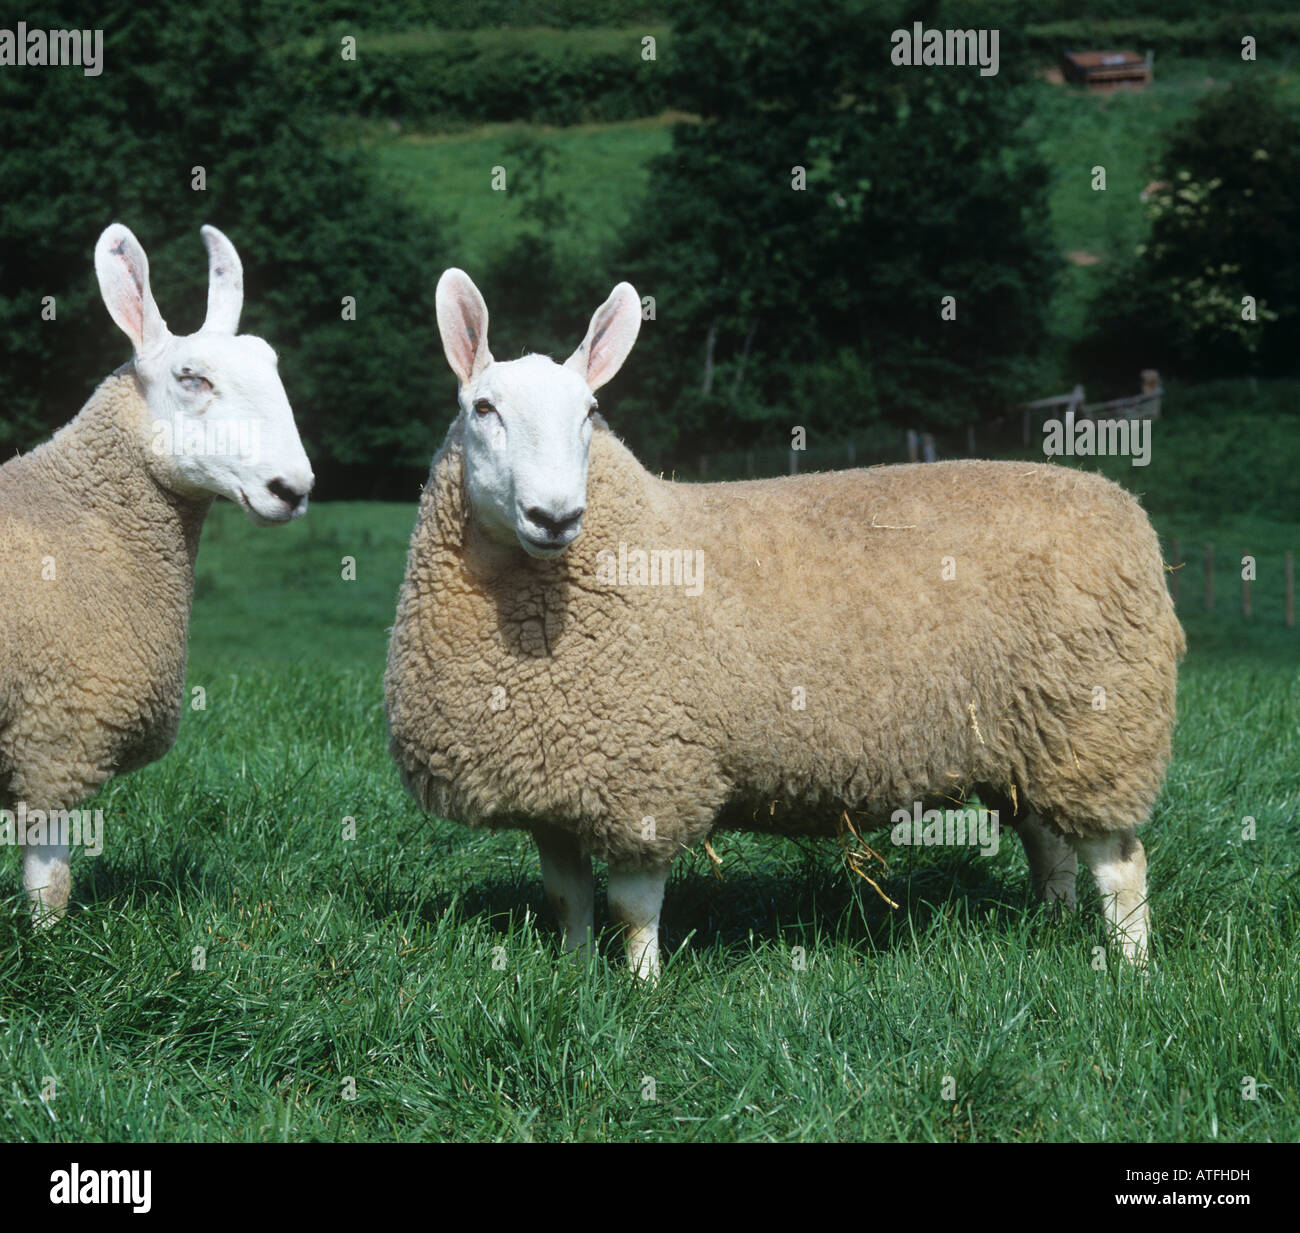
x: 96, y: 579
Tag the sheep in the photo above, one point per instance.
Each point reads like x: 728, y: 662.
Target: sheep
x: 99, y: 528
x: 856, y: 643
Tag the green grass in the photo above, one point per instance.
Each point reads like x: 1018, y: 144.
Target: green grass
x: 422, y: 961
x: 601, y: 173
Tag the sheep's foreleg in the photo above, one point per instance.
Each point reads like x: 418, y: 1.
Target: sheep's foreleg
x: 1053, y: 863
x: 1119, y: 867
x: 635, y: 898
x: 570, y: 887
x: 48, y: 881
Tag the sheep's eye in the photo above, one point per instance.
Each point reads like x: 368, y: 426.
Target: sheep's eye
x: 193, y: 383
x: 483, y: 407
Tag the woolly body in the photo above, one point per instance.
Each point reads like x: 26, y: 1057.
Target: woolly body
x: 626, y: 703
x: 92, y: 659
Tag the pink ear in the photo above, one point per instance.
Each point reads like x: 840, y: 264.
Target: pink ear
x: 613, y: 329
x: 463, y: 324
x: 123, y: 272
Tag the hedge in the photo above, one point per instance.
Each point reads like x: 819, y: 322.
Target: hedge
x: 434, y: 77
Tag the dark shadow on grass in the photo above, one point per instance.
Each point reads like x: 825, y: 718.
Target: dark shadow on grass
x: 827, y: 901
x: 118, y: 880
x: 819, y: 902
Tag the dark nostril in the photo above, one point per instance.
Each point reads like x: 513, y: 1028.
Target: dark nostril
x: 554, y: 526
x: 278, y: 488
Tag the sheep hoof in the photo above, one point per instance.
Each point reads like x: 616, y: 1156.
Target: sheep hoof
x: 47, y: 915
x: 1119, y: 867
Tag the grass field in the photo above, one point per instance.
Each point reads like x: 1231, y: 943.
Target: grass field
x: 601, y: 173
x: 421, y: 963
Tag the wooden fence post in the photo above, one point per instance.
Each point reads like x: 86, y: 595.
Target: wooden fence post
x: 1209, y: 577
x: 913, y: 444
x: 1245, y: 592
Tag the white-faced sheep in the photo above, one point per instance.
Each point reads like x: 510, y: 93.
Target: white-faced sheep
x: 861, y: 641
x: 99, y: 528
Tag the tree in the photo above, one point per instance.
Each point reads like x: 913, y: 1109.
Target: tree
x: 799, y: 239
x: 1225, y: 225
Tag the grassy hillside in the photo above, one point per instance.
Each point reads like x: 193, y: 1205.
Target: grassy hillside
x: 600, y: 173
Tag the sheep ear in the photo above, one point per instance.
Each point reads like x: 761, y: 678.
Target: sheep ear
x: 123, y: 272
x: 225, y: 283
x: 463, y: 324
x: 613, y: 329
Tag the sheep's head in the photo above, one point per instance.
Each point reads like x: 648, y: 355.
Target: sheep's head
x: 527, y: 423
x: 219, y: 421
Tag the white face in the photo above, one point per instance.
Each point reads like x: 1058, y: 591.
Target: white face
x: 528, y: 426
x: 221, y: 423
x: 219, y: 420
x: 527, y: 423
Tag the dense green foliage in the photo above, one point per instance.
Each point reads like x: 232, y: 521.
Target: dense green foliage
x: 434, y: 79
x: 782, y: 300
x: 774, y: 307
x: 309, y: 16
x: 1226, y: 225
x: 1215, y: 32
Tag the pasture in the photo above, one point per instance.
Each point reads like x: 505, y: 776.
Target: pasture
x: 242, y: 964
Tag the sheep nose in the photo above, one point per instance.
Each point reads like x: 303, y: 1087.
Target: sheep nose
x: 555, y: 527
x: 290, y: 496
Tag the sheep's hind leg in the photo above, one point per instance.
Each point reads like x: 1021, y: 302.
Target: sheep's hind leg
x: 570, y: 887
x: 1119, y: 867
x: 635, y: 899
x: 47, y: 880
x: 1053, y: 863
